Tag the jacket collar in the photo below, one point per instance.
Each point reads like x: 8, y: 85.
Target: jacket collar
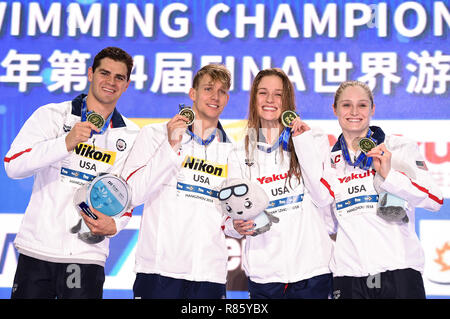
x: 221, y: 135
x: 116, y: 119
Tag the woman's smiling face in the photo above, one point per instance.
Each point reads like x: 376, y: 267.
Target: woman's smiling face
x: 269, y: 98
x: 354, y: 110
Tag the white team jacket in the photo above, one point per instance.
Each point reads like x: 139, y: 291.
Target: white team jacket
x: 39, y: 150
x: 180, y: 234
x: 298, y: 247
x: 367, y: 244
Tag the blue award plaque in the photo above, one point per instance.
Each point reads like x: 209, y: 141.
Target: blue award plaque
x: 109, y: 194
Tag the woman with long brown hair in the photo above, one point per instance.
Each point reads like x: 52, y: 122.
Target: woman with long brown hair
x: 291, y: 259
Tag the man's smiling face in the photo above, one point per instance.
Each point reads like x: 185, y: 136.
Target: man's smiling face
x: 108, y: 81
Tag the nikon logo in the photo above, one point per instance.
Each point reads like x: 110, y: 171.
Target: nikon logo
x: 204, y: 166
x: 96, y: 153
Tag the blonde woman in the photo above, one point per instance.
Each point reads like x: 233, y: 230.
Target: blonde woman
x: 375, y: 255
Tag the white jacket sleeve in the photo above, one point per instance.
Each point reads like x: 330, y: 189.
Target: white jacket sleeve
x: 409, y: 177
x: 313, y: 153
x: 329, y: 219
x: 121, y: 222
x: 150, y: 164
x: 37, y: 145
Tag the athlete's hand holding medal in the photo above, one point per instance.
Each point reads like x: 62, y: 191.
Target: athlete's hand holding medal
x: 379, y: 153
x: 80, y: 133
x: 381, y: 159
x: 292, y: 120
x: 178, y: 125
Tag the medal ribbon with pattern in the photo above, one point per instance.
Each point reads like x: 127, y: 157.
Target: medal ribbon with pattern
x: 283, y: 140
x: 85, y: 116
x: 199, y: 140
x: 362, y: 161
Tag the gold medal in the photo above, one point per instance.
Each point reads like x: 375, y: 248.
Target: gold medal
x: 188, y: 113
x: 366, y: 144
x: 287, y: 117
x: 96, y: 119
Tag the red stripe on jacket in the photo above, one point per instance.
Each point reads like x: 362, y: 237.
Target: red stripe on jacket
x: 325, y: 183
x: 426, y: 191
x: 128, y: 214
x: 9, y: 159
x: 134, y: 172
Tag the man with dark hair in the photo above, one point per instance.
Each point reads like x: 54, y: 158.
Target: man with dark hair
x: 115, y: 54
x: 54, y: 262
x: 174, y: 169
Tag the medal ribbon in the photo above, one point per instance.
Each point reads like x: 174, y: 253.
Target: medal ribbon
x: 85, y: 113
x: 199, y: 140
x: 283, y: 140
x: 362, y: 161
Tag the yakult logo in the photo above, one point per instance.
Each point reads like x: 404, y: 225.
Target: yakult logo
x: 273, y: 178
x: 347, y: 179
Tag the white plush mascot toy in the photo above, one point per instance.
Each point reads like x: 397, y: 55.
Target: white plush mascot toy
x: 243, y: 199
